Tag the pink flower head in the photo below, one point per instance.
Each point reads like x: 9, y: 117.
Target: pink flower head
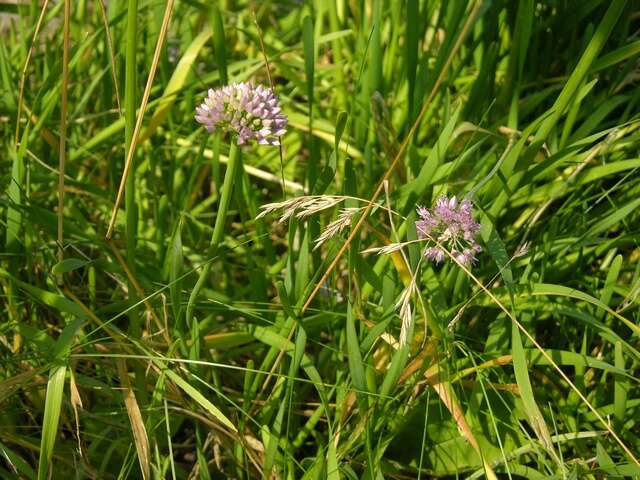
x: 252, y: 113
x: 451, y: 224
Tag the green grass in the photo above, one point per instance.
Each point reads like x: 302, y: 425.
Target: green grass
x: 205, y: 341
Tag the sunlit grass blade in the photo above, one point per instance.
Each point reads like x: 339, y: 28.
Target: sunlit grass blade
x: 53, y: 405
x: 521, y: 370
x: 199, y: 398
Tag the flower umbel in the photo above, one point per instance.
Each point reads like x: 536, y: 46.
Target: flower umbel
x: 451, y: 224
x: 252, y: 113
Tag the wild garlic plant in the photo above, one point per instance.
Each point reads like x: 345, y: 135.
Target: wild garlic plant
x: 247, y: 113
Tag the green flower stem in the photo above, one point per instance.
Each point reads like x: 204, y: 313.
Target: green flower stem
x: 218, y: 228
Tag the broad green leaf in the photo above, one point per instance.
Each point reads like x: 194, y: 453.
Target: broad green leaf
x: 398, y: 361
x: 309, y: 55
x: 415, y: 190
x: 219, y: 42
x: 605, y: 462
x: 617, y: 56
x: 574, y: 359
x: 272, y: 439
x: 621, y: 387
x: 173, y: 266
x: 333, y: 471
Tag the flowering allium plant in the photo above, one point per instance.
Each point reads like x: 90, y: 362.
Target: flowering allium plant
x: 451, y: 224
x: 252, y: 113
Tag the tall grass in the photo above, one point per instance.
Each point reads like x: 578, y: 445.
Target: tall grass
x: 192, y: 336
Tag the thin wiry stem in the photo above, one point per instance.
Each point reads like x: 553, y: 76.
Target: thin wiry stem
x: 268, y: 68
x: 112, y: 58
x: 23, y: 76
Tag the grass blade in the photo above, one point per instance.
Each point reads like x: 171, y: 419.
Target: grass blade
x: 200, y: 399
x: 53, y: 405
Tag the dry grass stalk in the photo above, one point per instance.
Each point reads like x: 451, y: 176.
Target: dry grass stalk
x: 337, y: 226
x: 301, y: 207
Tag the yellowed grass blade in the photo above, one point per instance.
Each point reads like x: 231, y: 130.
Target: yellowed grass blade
x: 11, y: 385
x: 135, y: 418
x: 76, y: 404
x: 23, y: 76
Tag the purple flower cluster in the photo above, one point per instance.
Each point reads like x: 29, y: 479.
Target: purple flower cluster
x: 451, y: 224
x: 252, y: 113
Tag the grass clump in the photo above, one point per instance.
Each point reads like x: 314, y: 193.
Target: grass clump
x: 181, y: 302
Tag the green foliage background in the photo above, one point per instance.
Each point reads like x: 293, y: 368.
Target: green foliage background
x: 113, y: 364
